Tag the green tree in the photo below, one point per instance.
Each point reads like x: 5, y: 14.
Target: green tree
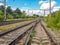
x: 10, y: 16
x: 15, y: 15
x: 1, y: 15
x: 23, y: 14
x: 18, y: 11
x: 9, y: 10
x: 2, y: 8
x: 54, y: 20
x: 1, y: 18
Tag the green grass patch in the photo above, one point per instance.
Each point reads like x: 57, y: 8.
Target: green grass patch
x: 52, y: 23
x: 6, y: 27
x: 32, y: 34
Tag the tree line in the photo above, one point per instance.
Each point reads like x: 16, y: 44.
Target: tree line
x: 14, y: 14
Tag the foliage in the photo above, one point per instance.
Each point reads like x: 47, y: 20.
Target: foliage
x: 58, y: 25
x: 2, y: 8
x: 1, y: 13
x: 1, y: 17
x: 18, y: 11
x: 32, y: 34
x: 23, y: 14
x: 54, y: 20
x: 10, y: 13
x: 10, y: 16
x: 9, y: 10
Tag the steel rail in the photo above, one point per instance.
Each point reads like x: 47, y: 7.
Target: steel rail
x: 52, y: 39
x: 2, y: 23
x: 19, y: 35
x: 13, y: 29
x: 14, y: 41
x: 28, y: 31
x: 29, y: 34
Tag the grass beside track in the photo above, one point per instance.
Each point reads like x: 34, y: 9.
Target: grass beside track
x: 32, y: 34
x: 6, y: 27
x: 55, y: 30
x: 10, y: 26
x: 21, y: 19
x: 46, y: 22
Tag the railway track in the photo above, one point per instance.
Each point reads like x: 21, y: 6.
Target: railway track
x: 53, y: 40
x: 12, y: 36
x: 10, y: 22
x: 21, y: 25
x: 43, y: 36
x: 21, y: 35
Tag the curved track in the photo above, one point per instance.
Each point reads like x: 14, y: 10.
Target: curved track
x: 21, y: 35
x: 10, y: 37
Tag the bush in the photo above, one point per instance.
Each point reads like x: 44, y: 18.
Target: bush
x: 54, y: 20
x: 1, y: 18
x: 51, y: 22
x: 9, y: 16
x: 58, y: 25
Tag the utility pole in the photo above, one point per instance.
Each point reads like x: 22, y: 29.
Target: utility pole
x: 50, y: 7
x: 32, y: 12
x: 4, y: 10
x: 44, y: 12
x: 28, y: 12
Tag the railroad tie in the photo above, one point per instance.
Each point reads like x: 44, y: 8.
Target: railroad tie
x: 36, y: 40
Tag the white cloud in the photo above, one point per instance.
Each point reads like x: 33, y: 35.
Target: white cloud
x: 39, y: 12
x: 56, y: 8
x: 40, y: 2
x: 45, y: 5
x: 13, y: 9
x: 1, y: 4
x: 31, y: 12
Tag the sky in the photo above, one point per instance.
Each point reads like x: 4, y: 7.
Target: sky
x: 33, y: 4
x: 24, y: 4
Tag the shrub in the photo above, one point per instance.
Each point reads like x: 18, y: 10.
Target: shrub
x: 10, y: 16
x: 1, y: 18
x: 58, y: 25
